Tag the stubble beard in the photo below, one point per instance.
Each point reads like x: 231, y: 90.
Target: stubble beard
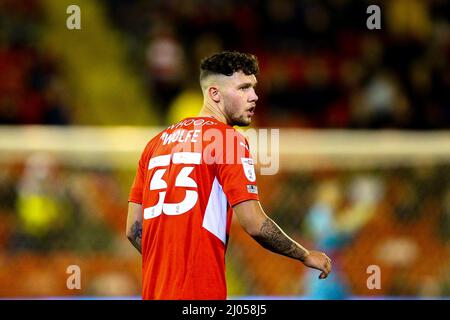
x: 239, y: 120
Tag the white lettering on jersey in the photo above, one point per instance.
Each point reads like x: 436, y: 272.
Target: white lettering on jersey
x: 180, y: 136
x: 198, y: 122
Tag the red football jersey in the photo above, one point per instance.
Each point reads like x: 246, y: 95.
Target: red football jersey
x: 189, y: 177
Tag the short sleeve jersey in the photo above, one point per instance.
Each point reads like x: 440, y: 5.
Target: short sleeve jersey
x: 188, y: 179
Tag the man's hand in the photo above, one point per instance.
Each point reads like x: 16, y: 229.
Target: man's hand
x: 320, y: 261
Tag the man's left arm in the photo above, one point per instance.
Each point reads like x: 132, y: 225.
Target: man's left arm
x: 134, y: 225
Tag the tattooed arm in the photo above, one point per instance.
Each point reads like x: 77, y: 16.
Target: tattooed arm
x: 270, y: 236
x: 274, y: 239
x: 134, y: 225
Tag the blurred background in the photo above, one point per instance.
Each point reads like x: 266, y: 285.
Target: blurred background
x: 364, y: 130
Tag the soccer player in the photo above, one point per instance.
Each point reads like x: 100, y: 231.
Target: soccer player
x: 190, y: 179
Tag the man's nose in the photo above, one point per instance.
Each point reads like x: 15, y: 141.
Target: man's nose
x: 253, y: 96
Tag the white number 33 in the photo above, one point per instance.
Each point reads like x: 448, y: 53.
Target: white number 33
x: 182, y: 180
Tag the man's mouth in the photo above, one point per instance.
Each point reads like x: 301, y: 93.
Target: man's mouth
x: 251, y: 111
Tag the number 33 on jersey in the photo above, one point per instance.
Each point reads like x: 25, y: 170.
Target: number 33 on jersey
x: 182, y: 180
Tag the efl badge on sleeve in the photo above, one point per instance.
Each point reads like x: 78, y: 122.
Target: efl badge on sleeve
x: 249, y: 169
x: 251, y: 188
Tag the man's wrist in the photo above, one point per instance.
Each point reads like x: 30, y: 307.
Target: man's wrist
x: 305, y: 255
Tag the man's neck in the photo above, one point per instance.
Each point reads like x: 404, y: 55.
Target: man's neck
x: 210, y: 111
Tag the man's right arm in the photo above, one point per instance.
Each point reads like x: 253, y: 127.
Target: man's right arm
x: 134, y: 225
x: 270, y: 236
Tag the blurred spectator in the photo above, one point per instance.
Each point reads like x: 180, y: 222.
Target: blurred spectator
x: 404, y: 196
x: 165, y: 61
x: 321, y: 224
x: 332, y: 225
x: 42, y: 207
x: 382, y: 104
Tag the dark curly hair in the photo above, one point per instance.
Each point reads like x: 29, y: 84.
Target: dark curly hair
x: 227, y: 63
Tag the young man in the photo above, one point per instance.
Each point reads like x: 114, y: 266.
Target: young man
x: 191, y: 178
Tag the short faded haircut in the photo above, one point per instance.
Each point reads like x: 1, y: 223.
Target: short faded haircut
x: 228, y: 62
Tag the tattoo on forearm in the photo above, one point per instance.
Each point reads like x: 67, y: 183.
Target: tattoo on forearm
x: 274, y: 239
x: 136, y: 231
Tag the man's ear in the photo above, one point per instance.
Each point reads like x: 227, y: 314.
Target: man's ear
x: 214, y: 94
